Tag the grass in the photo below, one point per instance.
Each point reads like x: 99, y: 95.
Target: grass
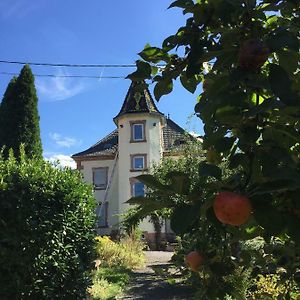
x: 115, y: 262
x: 109, y: 283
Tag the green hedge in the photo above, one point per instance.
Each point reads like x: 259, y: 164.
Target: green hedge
x: 46, y: 231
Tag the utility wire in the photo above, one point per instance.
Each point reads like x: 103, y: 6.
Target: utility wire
x: 69, y: 65
x: 68, y: 76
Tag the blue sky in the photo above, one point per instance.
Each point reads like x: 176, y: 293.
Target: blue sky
x: 76, y: 113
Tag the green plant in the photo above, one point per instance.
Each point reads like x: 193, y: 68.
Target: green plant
x: 109, y: 282
x: 246, y: 56
x: 127, y: 253
x: 46, y: 224
x: 102, y: 289
x: 19, y: 119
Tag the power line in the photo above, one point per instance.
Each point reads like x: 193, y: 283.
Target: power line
x: 69, y: 65
x: 68, y: 76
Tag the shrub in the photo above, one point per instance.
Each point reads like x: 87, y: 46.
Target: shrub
x: 102, y: 289
x: 127, y: 253
x: 46, y: 224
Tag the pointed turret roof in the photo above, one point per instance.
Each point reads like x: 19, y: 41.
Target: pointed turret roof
x: 138, y: 100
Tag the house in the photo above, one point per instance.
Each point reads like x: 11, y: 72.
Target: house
x: 143, y: 136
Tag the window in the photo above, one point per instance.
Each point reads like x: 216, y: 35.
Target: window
x: 102, y: 214
x: 138, y: 131
x: 100, y: 178
x: 138, y: 162
x: 137, y: 187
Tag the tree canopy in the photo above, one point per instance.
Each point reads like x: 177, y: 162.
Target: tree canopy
x: 242, y: 58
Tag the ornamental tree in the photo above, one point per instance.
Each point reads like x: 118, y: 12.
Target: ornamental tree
x: 19, y: 119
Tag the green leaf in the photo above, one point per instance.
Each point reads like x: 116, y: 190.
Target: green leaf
x: 143, y: 71
x: 228, y: 114
x: 150, y: 204
x: 152, y: 182
x: 180, y: 182
x: 289, y: 60
x: 211, y: 170
x: 268, y: 217
x: 224, y: 144
x: 281, y: 38
x: 154, y: 54
x: 163, y: 87
x: 183, y: 217
x: 279, y: 81
x: 137, y: 200
x: 190, y: 83
x: 181, y: 3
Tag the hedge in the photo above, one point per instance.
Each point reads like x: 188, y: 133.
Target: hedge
x: 46, y: 231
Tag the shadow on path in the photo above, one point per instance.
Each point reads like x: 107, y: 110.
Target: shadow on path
x: 145, y: 284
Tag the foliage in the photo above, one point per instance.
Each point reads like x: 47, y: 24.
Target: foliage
x: 109, y: 283
x: 114, y: 263
x: 271, y: 287
x: 127, y: 253
x: 102, y: 289
x: 19, y: 119
x: 162, y: 184
x: 46, y: 224
x: 246, y: 56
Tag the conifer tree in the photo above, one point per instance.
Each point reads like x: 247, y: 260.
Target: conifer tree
x: 19, y: 119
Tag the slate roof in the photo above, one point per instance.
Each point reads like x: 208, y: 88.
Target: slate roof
x: 173, y: 137
x: 138, y: 100
x: 106, y: 147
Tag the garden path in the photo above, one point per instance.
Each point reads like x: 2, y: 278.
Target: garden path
x: 146, y: 284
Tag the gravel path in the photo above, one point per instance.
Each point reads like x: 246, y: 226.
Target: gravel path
x: 145, y: 284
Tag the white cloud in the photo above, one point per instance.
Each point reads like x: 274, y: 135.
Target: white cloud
x: 59, y: 88
x: 63, y: 141
x: 61, y: 159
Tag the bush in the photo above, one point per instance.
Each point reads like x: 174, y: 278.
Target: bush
x: 46, y: 224
x: 128, y: 253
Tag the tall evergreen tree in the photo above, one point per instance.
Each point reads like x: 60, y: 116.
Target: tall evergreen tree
x: 19, y: 119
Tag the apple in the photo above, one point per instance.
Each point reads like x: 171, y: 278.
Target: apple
x: 194, y: 260
x: 253, y: 54
x: 232, y: 208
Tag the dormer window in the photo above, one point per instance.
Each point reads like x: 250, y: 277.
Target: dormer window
x: 138, y: 131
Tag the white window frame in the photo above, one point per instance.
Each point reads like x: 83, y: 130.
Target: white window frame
x: 133, y: 157
x: 133, y: 125
x: 133, y: 182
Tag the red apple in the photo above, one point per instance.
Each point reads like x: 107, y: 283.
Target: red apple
x: 232, y: 208
x: 253, y: 54
x: 194, y: 260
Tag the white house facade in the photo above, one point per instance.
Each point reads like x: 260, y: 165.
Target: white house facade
x: 142, y: 137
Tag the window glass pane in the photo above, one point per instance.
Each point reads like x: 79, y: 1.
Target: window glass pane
x: 100, y: 177
x: 102, y: 215
x: 138, y: 162
x: 138, y: 189
x: 138, y: 132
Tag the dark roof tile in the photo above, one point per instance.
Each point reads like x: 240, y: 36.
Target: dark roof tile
x: 138, y: 100
x: 173, y: 137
